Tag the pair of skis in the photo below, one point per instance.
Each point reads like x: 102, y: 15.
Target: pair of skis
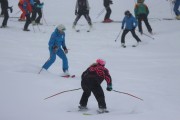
x: 69, y: 76
x: 135, y: 45
x: 87, y: 112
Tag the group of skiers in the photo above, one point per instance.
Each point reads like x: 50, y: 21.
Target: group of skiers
x: 91, y: 78
x: 29, y: 8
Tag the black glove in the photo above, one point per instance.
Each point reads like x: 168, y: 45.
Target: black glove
x: 11, y: 9
x: 109, y: 87
x: 111, y: 2
x: 76, y: 12
x: 133, y: 28
x: 87, y: 11
x: 122, y: 27
x: 55, y: 48
x: 65, y: 50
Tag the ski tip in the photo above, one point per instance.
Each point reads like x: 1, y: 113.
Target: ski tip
x: 68, y: 76
x: 73, y: 76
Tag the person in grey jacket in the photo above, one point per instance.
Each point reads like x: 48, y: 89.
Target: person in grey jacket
x: 82, y: 8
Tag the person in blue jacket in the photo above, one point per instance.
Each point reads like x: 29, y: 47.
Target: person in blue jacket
x: 130, y: 24
x: 57, y: 47
x: 176, y: 9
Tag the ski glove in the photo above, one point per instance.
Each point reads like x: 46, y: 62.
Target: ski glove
x: 109, y: 87
x: 122, y: 27
x: 65, y: 50
x: 76, y: 12
x: 11, y: 9
x: 111, y: 2
x: 133, y: 28
x: 55, y: 48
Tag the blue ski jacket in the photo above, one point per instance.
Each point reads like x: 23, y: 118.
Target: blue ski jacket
x: 130, y: 22
x: 57, y: 39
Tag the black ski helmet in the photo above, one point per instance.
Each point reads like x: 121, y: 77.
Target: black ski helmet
x: 127, y: 13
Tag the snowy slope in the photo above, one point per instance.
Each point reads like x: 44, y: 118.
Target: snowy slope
x: 149, y: 71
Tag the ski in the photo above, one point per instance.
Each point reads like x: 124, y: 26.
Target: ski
x: 88, y: 112
x: 123, y: 46
x: 108, y: 22
x: 134, y: 45
x: 69, y: 76
x: 169, y: 19
x: 78, y: 30
x: 101, y: 112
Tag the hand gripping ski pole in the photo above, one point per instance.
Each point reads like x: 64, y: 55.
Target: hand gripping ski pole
x: 61, y: 92
x: 128, y: 94
x: 118, y: 35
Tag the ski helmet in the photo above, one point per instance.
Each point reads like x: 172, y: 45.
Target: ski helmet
x: 127, y: 13
x: 61, y: 27
x: 140, y: 1
x: 101, y: 61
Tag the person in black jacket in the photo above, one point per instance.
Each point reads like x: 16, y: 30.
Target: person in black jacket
x: 91, y: 82
x: 5, y: 7
x: 82, y: 8
x: 37, y: 9
x: 1, y: 15
x: 108, y: 10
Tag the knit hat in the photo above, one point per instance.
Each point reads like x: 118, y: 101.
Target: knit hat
x: 101, y: 61
x: 61, y: 27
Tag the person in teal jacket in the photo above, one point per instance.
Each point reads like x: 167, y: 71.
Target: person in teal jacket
x: 131, y: 23
x: 141, y: 12
x: 57, y: 47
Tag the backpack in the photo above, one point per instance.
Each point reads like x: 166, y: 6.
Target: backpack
x: 141, y: 9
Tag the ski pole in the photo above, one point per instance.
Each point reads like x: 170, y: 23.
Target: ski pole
x: 44, y: 17
x: 128, y: 94
x: 149, y: 36
x: 100, y: 12
x: 118, y: 35
x: 61, y: 92
x: 40, y: 70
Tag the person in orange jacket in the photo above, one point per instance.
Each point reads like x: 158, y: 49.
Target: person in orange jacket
x: 28, y: 10
x: 20, y: 5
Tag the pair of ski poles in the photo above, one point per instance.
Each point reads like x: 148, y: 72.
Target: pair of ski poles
x: 142, y: 33
x: 80, y: 88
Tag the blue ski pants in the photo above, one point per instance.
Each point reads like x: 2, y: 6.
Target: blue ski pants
x: 60, y: 53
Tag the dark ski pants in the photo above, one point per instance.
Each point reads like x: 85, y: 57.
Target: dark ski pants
x: 28, y: 21
x: 91, y: 85
x: 143, y: 17
x: 6, y: 17
x: 87, y: 17
x: 108, y: 13
x: 133, y: 34
x: 34, y: 14
x: 176, y: 7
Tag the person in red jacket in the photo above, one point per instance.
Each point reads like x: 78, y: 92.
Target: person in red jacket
x: 91, y: 82
x: 107, y: 4
x: 20, y: 5
x: 28, y: 10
